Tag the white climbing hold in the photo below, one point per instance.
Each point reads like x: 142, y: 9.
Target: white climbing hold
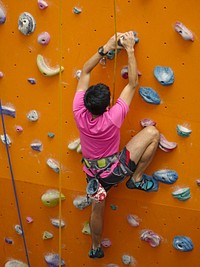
x: 81, y: 202
x: 74, y: 144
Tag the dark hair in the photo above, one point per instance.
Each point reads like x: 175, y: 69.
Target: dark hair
x: 97, y: 98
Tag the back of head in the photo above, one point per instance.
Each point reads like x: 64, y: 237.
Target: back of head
x: 97, y: 98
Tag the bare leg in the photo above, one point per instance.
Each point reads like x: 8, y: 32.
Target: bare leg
x: 96, y: 223
x: 142, y: 149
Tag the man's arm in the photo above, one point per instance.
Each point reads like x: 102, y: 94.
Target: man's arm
x: 89, y: 65
x: 129, y: 90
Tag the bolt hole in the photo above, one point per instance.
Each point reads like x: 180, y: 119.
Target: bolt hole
x: 147, y: 22
x: 165, y: 106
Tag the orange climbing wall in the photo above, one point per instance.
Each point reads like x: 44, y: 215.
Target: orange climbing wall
x: 73, y: 39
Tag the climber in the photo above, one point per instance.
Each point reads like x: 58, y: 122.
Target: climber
x: 99, y: 126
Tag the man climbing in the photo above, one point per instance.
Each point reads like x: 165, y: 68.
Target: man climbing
x: 99, y: 126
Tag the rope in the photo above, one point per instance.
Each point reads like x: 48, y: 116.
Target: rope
x: 14, y: 185
x: 60, y: 134
x: 115, y: 58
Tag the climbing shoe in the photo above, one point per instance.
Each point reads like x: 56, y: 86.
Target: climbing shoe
x: 96, y: 253
x: 147, y: 184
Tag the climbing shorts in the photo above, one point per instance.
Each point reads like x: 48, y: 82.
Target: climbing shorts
x: 125, y: 167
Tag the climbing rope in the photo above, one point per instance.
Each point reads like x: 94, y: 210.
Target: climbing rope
x: 14, y: 185
x: 115, y: 58
x: 60, y: 133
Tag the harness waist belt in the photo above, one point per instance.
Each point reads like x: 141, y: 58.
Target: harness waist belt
x: 99, y: 164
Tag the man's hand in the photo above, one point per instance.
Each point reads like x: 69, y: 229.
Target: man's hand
x: 111, y: 44
x: 127, y: 40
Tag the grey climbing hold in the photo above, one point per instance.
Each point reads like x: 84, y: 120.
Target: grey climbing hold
x: 149, y: 95
x: 18, y: 229
x: 36, y: 145
x: 78, y: 74
x: 51, y: 198
x: 77, y: 10
x: 6, y: 139
x: 128, y: 260
x: 183, y: 31
x: 122, y: 37
x: 183, y: 130
x: 44, y: 38
x: 150, y: 237
x: 166, y: 145
x: 147, y: 122
x: 2, y: 14
x: 58, y: 223
x: 164, y: 75
x: 42, y: 4
x: 8, y: 110
x: 133, y: 220
x: 166, y: 176
x: 54, y: 165
x: 81, y: 202
x: 15, y: 263
x: 54, y: 260
x: 33, y: 115
x: 74, y: 144
x: 182, y: 194
x: 47, y: 235
x: 26, y: 23
x: 183, y: 243
x: 31, y: 81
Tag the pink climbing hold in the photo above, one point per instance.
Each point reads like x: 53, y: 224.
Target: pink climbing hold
x: 42, y: 4
x: 184, y: 31
x: 133, y: 220
x: 1, y: 74
x: 19, y: 128
x: 166, y: 145
x: 150, y: 237
x: 147, y: 122
x: 44, y: 38
x: 106, y: 243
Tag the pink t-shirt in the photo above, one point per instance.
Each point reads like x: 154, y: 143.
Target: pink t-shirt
x: 100, y: 137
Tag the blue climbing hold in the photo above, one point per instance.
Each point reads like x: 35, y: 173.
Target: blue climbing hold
x: 54, y: 260
x: 183, y: 243
x: 164, y: 75
x: 166, y: 176
x: 149, y: 95
x: 182, y: 193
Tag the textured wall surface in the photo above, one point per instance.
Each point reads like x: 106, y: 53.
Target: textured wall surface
x: 75, y: 37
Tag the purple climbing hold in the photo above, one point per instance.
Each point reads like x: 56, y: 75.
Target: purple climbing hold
x: 31, y: 80
x: 183, y: 243
x: 54, y: 260
x: 150, y: 237
x: 166, y: 145
x: 166, y: 176
x: 184, y: 31
x: 2, y: 14
x: 8, y: 110
x: 149, y: 95
x: 8, y: 240
x: 164, y: 75
x: 44, y: 38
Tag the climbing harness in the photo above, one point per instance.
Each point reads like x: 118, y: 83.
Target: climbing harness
x: 100, y: 164
x: 14, y: 185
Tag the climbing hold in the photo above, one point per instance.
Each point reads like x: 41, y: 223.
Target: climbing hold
x: 112, y: 265
x: 1, y: 74
x: 45, y: 69
x: 79, y: 149
x: 111, y: 54
x: 74, y: 144
x: 29, y: 219
x: 6, y: 139
x: 128, y: 260
x: 54, y: 165
x: 86, y: 229
x: 9, y: 240
x: 182, y: 193
x: 31, y: 81
x: 51, y: 135
x: 133, y: 220
x: 15, y: 263
x: 42, y: 4
x: 78, y: 74
x: 47, y: 235
x: 124, y: 72
x: 103, y: 61
x: 26, y: 23
x: 36, y: 145
x: 122, y: 37
x: 184, y: 31
x: 198, y: 182
x: 183, y: 130
x: 77, y: 10
x: 81, y: 202
x: 8, y: 110
x: 150, y: 237
x: 164, y: 75
x: 183, y: 243
x: 113, y: 207
x: 149, y: 95
x: 106, y: 243
x: 165, y: 176
x: 147, y: 122
x: 54, y: 260
x: 19, y: 128
x: 58, y: 223
x: 166, y: 145
x: 33, y: 115
x: 18, y: 229
x: 2, y: 14
x: 51, y: 198
x: 44, y: 38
